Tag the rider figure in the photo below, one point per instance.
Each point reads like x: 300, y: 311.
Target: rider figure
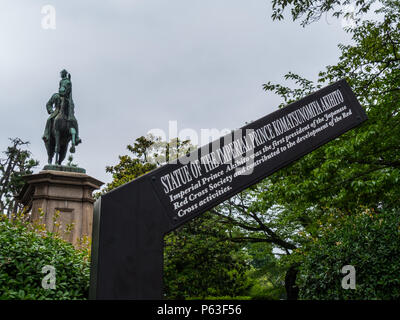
x: 64, y: 91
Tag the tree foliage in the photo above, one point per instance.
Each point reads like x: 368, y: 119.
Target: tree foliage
x: 360, y: 169
x: 367, y: 240
x: 16, y: 163
x: 362, y: 166
x: 311, y: 10
x: 268, y: 273
x: 147, y: 153
x: 199, y: 261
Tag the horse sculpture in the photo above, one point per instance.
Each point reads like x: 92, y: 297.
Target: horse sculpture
x: 61, y: 126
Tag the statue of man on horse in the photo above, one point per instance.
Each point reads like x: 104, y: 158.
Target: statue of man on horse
x: 61, y: 126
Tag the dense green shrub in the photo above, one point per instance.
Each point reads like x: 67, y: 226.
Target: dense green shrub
x: 369, y: 241
x: 25, y: 250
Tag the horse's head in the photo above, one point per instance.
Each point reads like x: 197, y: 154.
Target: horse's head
x: 63, y: 91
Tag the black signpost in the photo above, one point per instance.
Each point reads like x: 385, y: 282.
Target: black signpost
x: 130, y: 222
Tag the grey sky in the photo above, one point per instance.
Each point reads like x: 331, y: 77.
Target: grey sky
x: 138, y: 64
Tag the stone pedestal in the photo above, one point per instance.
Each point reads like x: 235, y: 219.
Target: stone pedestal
x: 69, y: 193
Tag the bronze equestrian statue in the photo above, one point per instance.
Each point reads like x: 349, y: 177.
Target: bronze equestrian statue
x: 61, y: 126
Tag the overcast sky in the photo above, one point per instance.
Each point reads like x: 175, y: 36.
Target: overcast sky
x: 138, y: 64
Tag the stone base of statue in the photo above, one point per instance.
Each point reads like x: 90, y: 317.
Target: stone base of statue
x: 61, y: 198
x: 58, y: 167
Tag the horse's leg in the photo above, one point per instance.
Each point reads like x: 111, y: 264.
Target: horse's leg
x: 57, y: 147
x: 48, y: 149
x: 63, y: 151
x: 49, y: 143
x: 73, y: 137
x: 51, y: 151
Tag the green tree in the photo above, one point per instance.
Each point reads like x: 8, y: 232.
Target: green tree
x: 259, y: 220
x: 199, y: 261
x: 360, y: 168
x: 312, y: 10
x: 13, y: 167
x: 267, y: 272
x: 147, y: 153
